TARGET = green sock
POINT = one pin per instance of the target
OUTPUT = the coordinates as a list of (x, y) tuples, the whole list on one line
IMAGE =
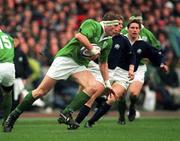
[(25, 104), (80, 99), (6, 106)]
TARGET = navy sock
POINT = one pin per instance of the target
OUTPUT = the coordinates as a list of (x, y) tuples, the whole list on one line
[(82, 114), (99, 113), (122, 107), (133, 100)]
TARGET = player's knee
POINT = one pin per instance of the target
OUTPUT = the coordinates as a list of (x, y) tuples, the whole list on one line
[(91, 88), (37, 93), (134, 93), (111, 100)]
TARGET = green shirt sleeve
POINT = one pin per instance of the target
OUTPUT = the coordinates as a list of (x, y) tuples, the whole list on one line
[(105, 53), (87, 28), (150, 38), (124, 31)]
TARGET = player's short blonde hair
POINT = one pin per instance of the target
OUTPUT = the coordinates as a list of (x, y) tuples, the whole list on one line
[(109, 16)]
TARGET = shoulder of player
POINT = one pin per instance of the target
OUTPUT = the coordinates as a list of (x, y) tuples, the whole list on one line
[(91, 21), (146, 31), (120, 38), (143, 43), (7, 34)]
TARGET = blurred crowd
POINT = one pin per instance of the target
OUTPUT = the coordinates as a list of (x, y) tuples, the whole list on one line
[(45, 26)]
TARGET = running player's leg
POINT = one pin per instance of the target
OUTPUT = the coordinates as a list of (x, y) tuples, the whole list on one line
[(134, 90), (88, 82), (6, 104), (86, 107), (27, 102), (122, 109), (119, 90)]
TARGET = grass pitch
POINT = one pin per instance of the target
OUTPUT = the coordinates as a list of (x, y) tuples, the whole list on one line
[(107, 129)]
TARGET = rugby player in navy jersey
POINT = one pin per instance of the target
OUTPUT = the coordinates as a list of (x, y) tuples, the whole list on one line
[(138, 81), (142, 49)]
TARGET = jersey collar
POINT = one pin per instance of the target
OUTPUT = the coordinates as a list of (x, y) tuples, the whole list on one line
[(103, 37), (132, 42)]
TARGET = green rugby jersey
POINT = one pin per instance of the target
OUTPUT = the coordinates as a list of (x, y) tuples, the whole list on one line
[(93, 30), (6, 48)]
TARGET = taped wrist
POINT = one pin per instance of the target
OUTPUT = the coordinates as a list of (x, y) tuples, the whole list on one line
[(94, 51), (107, 84)]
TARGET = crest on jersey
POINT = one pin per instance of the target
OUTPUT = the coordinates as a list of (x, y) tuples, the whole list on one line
[(117, 46), (139, 51), (160, 53)]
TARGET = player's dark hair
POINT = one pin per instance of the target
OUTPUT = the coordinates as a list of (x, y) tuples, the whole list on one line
[(134, 21)]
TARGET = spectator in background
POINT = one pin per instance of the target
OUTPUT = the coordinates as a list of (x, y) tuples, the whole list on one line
[(23, 71), (24, 74), (174, 35), (168, 85), (164, 83)]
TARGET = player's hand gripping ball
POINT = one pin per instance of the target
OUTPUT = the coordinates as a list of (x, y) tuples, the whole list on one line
[(91, 54)]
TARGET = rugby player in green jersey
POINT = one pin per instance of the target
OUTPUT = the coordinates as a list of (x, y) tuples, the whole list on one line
[(70, 61), (138, 81), (7, 73)]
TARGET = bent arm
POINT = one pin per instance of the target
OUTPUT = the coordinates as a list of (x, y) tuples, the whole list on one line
[(83, 40), (104, 71)]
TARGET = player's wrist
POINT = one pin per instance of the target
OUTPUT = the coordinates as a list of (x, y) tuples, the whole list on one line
[(107, 84), (131, 67)]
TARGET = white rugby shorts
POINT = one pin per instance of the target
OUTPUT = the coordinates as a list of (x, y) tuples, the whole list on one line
[(121, 77), (63, 68), (95, 70), (7, 74), (140, 74)]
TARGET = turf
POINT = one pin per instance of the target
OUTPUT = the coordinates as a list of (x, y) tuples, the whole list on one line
[(143, 129)]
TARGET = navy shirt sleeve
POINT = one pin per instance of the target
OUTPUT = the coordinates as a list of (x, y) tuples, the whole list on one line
[(154, 55)]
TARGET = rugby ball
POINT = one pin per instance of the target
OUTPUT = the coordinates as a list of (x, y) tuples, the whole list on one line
[(86, 53)]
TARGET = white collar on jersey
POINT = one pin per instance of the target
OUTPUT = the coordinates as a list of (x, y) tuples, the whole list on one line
[(103, 37), (132, 42)]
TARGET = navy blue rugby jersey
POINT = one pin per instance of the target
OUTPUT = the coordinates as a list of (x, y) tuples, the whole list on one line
[(121, 54), (143, 49)]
